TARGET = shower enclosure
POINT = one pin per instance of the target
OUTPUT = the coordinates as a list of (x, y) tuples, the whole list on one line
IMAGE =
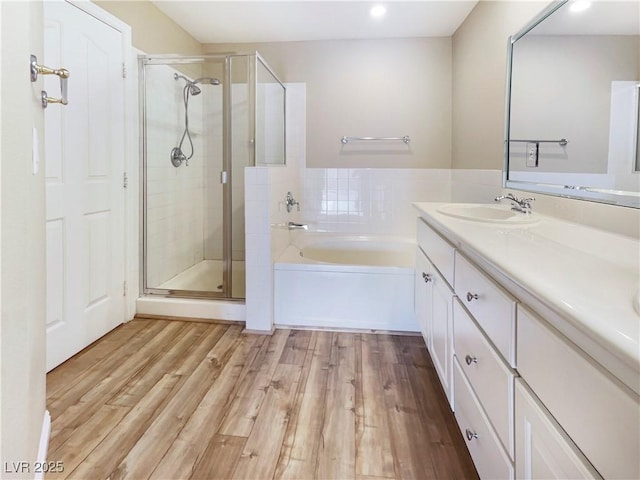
[(204, 119)]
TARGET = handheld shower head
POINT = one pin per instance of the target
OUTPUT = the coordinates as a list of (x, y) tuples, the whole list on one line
[(194, 89), (207, 81)]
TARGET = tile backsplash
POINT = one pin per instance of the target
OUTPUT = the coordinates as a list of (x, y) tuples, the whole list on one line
[(369, 200)]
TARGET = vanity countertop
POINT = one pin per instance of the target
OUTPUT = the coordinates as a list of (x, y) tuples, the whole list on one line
[(585, 279)]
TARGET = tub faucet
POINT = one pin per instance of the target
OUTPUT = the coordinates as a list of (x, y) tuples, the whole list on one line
[(297, 226), (522, 205), (290, 202)]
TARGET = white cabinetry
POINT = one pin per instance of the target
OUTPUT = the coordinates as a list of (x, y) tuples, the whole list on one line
[(422, 294), (484, 333), (434, 303), (529, 402), (543, 449), (487, 453), (599, 414)]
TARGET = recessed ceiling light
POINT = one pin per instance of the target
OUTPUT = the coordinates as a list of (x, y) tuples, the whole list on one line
[(579, 5), (378, 11)]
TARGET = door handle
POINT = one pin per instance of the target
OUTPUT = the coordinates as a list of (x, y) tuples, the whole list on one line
[(63, 73)]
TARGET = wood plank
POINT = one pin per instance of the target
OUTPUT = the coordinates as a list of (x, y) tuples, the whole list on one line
[(220, 458), (260, 454), (447, 450), (317, 404), (96, 387), (145, 455), (336, 455), (295, 350), (62, 399), (246, 404), (66, 374), (104, 459), (85, 438), (374, 454), (389, 351), (407, 432), (299, 454), (189, 447), (144, 379)]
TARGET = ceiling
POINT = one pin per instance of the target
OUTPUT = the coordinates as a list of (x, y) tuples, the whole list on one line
[(286, 21)]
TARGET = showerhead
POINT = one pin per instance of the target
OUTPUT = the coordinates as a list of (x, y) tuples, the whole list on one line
[(191, 85), (207, 81)]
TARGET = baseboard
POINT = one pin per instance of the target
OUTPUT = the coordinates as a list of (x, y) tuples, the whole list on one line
[(44, 445)]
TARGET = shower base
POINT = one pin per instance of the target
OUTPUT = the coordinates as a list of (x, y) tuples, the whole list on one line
[(206, 276)]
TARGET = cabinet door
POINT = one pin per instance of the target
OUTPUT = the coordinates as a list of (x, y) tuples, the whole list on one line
[(442, 332), (422, 296), (543, 450)]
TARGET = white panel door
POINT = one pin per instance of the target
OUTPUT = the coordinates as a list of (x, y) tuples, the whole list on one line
[(84, 157)]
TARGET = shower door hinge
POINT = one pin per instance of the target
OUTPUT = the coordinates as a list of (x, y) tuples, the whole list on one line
[(124, 289), (224, 177), (124, 71), (125, 180)]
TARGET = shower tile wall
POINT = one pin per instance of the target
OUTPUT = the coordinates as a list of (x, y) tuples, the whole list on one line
[(175, 199)]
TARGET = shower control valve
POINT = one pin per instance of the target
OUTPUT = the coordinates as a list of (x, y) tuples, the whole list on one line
[(290, 202)]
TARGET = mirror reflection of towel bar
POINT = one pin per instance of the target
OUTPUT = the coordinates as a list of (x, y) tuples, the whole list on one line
[(562, 142), (344, 140)]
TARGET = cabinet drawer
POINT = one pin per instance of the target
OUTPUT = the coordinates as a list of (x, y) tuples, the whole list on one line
[(491, 379), (492, 307), (543, 450), (601, 415), (439, 251), (490, 459)]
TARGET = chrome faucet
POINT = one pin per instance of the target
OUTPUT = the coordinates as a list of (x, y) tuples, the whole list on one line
[(522, 205), (297, 226), (290, 202)]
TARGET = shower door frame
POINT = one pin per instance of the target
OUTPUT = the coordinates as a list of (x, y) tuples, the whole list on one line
[(170, 59)]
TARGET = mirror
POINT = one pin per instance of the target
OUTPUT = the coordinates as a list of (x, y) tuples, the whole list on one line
[(573, 114)]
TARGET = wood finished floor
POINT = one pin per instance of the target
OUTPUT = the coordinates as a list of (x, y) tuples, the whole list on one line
[(177, 400)]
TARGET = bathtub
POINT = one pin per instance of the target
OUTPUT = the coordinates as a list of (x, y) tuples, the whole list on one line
[(346, 282)]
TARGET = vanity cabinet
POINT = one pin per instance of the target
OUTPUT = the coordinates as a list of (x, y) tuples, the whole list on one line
[(544, 450), (490, 305), (434, 304), (597, 412), (529, 402), (483, 444), (484, 344)]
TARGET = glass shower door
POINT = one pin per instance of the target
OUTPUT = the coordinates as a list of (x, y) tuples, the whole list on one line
[(182, 194)]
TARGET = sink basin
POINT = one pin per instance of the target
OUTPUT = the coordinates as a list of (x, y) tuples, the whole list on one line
[(487, 213)]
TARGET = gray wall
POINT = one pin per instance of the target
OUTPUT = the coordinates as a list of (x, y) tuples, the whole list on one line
[(479, 73), (22, 240), (372, 88)]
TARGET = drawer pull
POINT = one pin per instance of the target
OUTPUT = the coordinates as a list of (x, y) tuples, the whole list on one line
[(470, 435), (469, 359), (471, 296), (427, 277)]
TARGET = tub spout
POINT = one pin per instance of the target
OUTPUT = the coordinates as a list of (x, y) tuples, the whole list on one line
[(297, 226)]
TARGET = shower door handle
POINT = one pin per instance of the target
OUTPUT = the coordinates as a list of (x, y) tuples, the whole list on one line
[(224, 177)]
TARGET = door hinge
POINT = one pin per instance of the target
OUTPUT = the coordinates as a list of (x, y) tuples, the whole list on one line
[(124, 289), (124, 71), (125, 180), (224, 178)]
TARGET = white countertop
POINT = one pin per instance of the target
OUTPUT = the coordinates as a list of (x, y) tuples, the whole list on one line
[(588, 277)]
